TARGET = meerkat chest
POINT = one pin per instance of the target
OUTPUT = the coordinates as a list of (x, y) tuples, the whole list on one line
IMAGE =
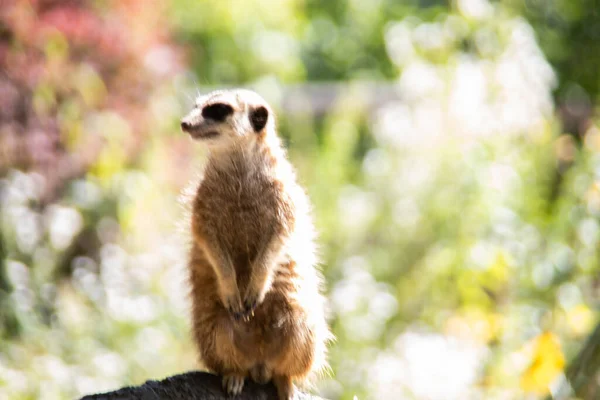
[(240, 206), (253, 205)]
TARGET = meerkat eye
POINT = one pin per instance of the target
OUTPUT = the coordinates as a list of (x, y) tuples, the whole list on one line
[(217, 112), (258, 118)]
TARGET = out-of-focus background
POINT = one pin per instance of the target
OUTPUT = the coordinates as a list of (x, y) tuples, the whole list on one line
[(451, 150)]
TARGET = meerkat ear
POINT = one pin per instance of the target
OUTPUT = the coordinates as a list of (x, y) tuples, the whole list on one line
[(258, 118)]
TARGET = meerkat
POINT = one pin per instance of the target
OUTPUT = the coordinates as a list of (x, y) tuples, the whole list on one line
[(257, 306)]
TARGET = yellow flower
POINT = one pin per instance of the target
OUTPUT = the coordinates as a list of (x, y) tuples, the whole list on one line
[(547, 363)]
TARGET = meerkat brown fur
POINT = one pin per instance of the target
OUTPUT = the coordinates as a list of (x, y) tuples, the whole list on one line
[(256, 304)]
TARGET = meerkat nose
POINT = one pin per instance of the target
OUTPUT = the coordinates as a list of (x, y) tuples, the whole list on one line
[(185, 126)]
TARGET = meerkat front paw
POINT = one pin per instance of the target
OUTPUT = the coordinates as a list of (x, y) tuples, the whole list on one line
[(254, 296), (233, 384), (232, 302)]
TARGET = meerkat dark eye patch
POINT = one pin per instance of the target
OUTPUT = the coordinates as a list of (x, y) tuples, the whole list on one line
[(217, 112), (258, 118)]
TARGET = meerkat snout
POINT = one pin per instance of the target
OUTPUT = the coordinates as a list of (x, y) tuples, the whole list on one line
[(204, 124), (190, 121), (185, 125)]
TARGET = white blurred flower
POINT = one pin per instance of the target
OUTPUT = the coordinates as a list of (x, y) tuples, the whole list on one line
[(63, 224), (141, 309), (501, 177), (420, 80), (56, 369), (393, 125), (475, 8), (509, 93), (398, 43), (482, 255), (112, 267), (13, 381), (86, 194), (468, 99), (18, 273), (275, 47), (588, 232), (358, 284), (569, 295), (27, 225), (415, 174), (377, 163), (150, 342), (406, 213), (86, 384), (428, 367), (543, 274), (25, 186), (383, 305), (429, 36), (365, 304), (110, 364), (357, 208)]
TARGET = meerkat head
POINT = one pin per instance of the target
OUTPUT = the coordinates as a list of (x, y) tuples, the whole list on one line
[(223, 118)]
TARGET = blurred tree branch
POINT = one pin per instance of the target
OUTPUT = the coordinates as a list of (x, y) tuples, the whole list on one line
[(193, 385), (10, 324), (583, 372)]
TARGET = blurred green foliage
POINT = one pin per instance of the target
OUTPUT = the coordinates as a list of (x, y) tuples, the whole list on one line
[(457, 202)]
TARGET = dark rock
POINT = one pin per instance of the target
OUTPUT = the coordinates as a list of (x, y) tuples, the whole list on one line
[(194, 385)]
